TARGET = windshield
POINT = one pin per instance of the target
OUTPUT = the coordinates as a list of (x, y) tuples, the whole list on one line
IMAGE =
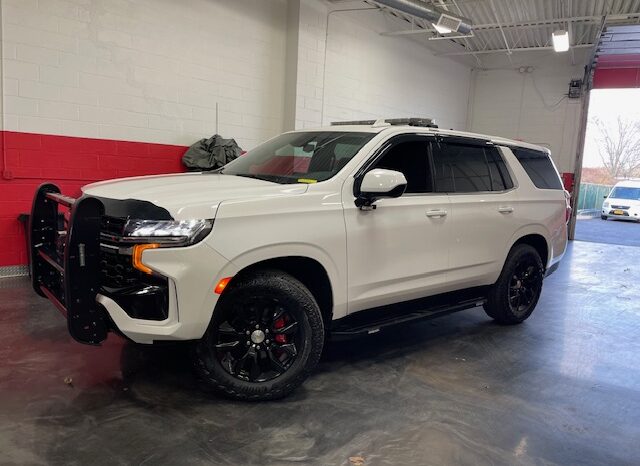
[(299, 157), (624, 192)]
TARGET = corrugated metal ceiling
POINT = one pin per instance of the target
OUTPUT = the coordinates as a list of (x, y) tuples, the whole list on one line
[(523, 25)]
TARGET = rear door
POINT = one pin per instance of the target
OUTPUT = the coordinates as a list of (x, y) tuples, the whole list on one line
[(483, 205)]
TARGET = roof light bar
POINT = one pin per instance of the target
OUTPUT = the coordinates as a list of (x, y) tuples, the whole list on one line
[(424, 122)]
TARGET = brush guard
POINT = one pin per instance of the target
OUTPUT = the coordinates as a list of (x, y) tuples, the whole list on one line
[(65, 264)]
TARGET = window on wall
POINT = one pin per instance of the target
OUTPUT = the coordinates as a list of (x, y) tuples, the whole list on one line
[(411, 157), (539, 167), (462, 168)]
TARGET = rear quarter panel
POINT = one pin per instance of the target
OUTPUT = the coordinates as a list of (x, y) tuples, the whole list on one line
[(539, 211)]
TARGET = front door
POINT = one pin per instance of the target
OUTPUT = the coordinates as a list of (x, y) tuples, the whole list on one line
[(400, 250)]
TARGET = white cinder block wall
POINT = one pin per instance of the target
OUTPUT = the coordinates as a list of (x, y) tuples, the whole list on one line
[(530, 106), (154, 70), (144, 70), (367, 75)]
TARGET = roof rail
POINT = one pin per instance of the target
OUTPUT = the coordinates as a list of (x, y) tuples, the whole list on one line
[(425, 122)]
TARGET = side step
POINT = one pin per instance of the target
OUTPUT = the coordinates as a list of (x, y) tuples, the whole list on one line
[(374, 320)]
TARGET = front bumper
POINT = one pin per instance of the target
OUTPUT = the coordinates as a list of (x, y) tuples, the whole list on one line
[(97, 292), (622, 214), (192, 273)]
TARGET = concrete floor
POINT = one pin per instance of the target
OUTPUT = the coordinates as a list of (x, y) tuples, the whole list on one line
[(624, 233), (563, 388)]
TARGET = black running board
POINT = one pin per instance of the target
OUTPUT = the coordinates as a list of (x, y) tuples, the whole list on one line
[(373, 320)]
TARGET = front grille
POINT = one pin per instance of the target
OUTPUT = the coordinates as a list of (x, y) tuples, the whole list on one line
[(117, 270), (142, 296), (625, 207)]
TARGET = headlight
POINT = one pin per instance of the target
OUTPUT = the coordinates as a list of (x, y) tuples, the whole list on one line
[(166, 232)]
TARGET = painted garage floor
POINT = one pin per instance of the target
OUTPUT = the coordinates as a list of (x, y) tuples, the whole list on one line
[(563, 388)]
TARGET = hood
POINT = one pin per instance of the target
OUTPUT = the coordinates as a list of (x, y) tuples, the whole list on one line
[(623, 202), (190, 195)]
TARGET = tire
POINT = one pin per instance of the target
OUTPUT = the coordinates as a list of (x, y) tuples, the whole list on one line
[(279, 331), (522, 276), (603, 217)]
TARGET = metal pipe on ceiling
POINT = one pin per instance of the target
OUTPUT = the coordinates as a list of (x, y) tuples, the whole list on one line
[(425, 11)]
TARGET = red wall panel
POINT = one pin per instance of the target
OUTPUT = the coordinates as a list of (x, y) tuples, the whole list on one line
[(29, 160)]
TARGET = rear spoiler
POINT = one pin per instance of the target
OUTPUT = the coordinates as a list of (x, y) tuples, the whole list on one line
[(65, 264)]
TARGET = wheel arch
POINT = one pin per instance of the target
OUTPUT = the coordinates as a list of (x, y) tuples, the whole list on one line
[(539, 243), (309, 271)]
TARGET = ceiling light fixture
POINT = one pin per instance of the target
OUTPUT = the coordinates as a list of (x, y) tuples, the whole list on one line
[(560, 40), (442, 29)]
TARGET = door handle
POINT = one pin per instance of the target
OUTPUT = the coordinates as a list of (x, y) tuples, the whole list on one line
[(437, 213), (505, 209)]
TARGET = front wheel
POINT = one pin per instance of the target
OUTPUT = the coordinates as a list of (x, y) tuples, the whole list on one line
[(514, 296), (264, 340), (603, 217)]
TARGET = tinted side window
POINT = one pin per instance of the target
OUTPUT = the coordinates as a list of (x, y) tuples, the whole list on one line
[(539, 168), (500, 178), (412, 159), (460, 168)]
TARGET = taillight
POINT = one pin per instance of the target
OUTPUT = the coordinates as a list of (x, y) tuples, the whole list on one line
[(568, 210)]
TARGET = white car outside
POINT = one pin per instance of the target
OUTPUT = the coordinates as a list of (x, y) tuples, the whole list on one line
[(623, 202), (340, 230)]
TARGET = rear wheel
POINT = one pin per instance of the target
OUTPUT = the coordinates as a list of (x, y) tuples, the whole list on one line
[(265, 338), (514, 296)]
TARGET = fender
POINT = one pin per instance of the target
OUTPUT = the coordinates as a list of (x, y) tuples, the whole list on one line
[(306, 250)]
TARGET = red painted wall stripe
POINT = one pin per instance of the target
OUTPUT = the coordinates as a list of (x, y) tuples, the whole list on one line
[(29, 160)]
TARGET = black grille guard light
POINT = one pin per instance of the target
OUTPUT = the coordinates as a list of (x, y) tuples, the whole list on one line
[(65, 265)]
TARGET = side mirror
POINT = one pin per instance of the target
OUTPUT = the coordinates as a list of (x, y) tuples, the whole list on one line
[(377, 184)]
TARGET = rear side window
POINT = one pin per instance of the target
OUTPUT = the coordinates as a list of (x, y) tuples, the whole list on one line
[(539, 167), (461, 168)]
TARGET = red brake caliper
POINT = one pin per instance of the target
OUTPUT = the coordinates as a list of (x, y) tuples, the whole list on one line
[(278, 324)]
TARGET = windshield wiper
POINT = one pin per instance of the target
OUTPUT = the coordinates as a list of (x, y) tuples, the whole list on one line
[(270, 178)]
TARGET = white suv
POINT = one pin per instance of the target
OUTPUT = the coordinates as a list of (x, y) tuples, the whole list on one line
[(342, 230)]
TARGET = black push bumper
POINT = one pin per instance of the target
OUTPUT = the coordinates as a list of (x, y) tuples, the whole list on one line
[(65, 263)]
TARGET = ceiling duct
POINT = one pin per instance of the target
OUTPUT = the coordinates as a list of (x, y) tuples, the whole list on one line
[(430, 13)]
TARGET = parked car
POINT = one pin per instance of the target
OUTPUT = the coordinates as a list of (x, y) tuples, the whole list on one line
[(623, 202), (337, 231)]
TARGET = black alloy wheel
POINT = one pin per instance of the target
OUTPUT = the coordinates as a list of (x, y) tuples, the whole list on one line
[(525, 285), (265, 337), (257, 341), (515, 294)]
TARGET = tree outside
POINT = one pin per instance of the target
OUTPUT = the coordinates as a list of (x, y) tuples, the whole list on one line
[(618, 144), (612, 150)]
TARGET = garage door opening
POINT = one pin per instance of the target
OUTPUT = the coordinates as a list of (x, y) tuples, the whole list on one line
[(611, 157)]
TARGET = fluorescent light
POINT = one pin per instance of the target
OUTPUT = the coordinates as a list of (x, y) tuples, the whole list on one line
[(442, 29), (560, 40)]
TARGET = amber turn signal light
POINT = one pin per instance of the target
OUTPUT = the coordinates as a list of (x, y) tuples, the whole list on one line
[(138, 249), (222, 284)]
